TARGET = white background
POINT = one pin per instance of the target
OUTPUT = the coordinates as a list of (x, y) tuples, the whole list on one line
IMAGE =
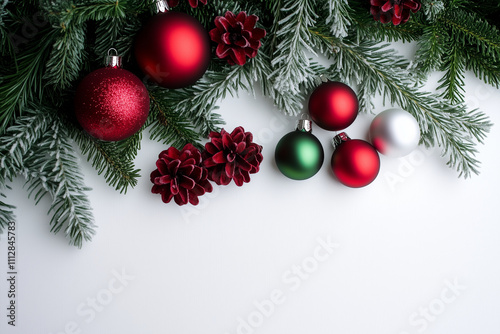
[(417, 251)]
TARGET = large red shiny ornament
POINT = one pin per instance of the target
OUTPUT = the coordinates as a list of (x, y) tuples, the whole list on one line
[(333, 106), (355, 162), (173, 49), (111, 104)]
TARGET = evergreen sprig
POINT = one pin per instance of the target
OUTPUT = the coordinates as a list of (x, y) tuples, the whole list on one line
[(23, 80), (339, 17), (290, 59), (52, 168), (458, 39), (167, 126), (108, 159), (37, 147)]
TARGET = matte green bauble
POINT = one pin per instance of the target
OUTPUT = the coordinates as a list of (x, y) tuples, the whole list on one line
[(299, 155)]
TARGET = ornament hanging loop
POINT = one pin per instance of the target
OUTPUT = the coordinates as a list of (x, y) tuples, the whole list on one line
[(162, 6), (113, 59)]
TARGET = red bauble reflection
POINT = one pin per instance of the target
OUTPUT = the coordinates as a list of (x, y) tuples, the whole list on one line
[(173, 49), (355, 162), (333, 106), (111, 104)]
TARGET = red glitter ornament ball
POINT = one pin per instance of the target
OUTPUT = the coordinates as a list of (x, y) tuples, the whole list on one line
[(355, 162), (111, 104), (333, 106), (173, 49)]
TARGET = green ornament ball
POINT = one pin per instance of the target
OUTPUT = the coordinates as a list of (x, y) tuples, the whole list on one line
[(299, 155)]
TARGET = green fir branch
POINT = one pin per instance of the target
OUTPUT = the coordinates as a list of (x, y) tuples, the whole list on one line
[(339, 17), (470, 30), (67, 57), (117, 34), (130, 146), (198, 101), (167, 126), (52, 168), (66, 13), (433, 9), (290, 59), (119, 171), (484, 69), (24, 83), (431, 48), (6, 47), (18, 141), (452, 83)]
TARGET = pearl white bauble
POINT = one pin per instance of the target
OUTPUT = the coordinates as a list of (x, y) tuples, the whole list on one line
[(394, 133)]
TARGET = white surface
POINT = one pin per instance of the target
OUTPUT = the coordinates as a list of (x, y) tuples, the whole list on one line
[(401, 243)]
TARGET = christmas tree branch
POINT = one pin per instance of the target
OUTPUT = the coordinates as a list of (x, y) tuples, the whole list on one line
[(53, 169), (66, 13), (67, 57), (105, 157), (118, 34), (198, 101), (452, 83), (18, 141), (469, 28), (167, 126), (24, 82), (290, 61), (338, 17), (431, 48)]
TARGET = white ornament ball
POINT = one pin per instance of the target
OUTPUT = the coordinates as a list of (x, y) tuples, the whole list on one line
[(394, 133)]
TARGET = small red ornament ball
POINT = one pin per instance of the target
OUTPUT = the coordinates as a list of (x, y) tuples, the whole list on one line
[(333, 106), (173, 49), (111, 104), (355, 162)]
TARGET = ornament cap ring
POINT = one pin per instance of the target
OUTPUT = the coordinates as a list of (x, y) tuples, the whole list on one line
[(162, 6), (305, 123), (113, 60), (339, 139)]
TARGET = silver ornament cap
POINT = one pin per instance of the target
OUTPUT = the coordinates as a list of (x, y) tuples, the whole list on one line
[(304, 124), (113, 59), (394, 132)]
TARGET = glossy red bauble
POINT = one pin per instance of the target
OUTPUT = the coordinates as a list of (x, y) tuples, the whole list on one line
[(111, 104), (355, 162), (333, 106), (173, 49)]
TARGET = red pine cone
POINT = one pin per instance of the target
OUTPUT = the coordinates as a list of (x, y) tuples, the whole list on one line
[(237, 37), (179, 175), (231, 157), (192, 3), (397, 11)]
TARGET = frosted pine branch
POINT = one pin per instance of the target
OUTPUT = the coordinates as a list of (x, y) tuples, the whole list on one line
[(291, 61), (338, 19)]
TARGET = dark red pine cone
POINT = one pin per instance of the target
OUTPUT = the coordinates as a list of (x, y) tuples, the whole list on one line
[(179, 175), (231, 156), (397, 11), (192, 3), (237, 37)]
